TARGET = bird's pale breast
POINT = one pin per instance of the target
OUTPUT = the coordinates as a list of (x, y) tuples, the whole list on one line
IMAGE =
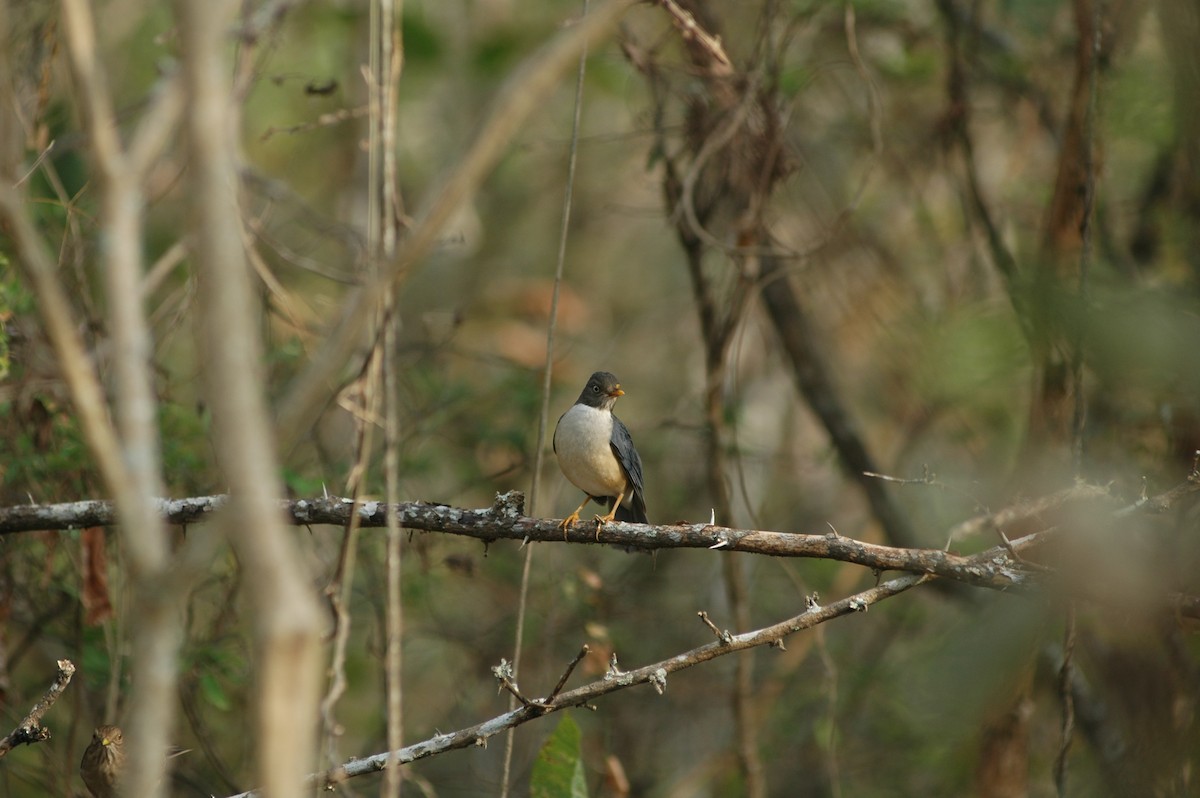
[(582, 442)]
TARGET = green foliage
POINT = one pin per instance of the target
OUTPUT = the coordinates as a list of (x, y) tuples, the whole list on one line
[(184, 435), (213, 692), (423, 43), (558, 771), (47, 458)]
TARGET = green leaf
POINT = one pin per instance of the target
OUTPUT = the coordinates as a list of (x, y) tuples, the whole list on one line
[(558, 772), (214, 693)]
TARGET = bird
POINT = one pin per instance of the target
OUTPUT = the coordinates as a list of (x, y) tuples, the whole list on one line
[(597, 455), (102, 762)]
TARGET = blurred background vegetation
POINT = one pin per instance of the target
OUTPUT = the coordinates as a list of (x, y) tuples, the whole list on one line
[(908, 128)]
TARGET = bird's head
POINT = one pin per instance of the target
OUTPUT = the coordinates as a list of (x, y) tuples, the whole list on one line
[(601, 391), (107, 735)]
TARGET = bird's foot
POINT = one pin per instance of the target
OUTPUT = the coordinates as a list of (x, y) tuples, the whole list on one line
[(566, 523)]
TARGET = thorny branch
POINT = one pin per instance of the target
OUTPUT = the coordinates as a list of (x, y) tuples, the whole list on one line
[(1000, 567), (654, 674)]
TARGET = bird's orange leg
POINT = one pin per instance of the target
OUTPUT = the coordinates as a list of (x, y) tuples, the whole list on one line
[(601, 520), (573, 517)]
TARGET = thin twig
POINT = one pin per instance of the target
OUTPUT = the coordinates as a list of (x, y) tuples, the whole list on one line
[(340, 589), (505, 675), (694, 34), (722, 635), (562, 680), (1065, 679), (547, 373), (655, 673), (390, 44)]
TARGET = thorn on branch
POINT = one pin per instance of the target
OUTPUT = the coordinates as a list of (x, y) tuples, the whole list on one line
[(1004, 541), (659, 680), (723, 636), (778, 644), (613, 669), (813, 603), (833, 533)]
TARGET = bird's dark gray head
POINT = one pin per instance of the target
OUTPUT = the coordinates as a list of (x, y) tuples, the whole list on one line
[(601, 391)]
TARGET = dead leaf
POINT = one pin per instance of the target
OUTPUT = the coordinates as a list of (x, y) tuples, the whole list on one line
[(97, 607)]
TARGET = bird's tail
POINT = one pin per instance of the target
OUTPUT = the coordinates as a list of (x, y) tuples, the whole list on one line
[(635, 513)]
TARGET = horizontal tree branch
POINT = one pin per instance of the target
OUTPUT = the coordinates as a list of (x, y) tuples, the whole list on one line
[(654, 674), (505, 520), (997, 568)]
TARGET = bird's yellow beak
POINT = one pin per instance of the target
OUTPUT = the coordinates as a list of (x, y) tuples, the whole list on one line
[(105, 741), (617, 391)]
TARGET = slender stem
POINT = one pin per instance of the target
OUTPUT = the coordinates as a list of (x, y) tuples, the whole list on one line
[(547, 373)]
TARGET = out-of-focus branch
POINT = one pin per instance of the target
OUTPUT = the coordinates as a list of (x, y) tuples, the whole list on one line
[(654, 674), (286, 617), (30, 729), (957, 123), (1009, 517), (157, 635), (340, 589), (521, 95), (390, 45), (816, 385), (715, 170)]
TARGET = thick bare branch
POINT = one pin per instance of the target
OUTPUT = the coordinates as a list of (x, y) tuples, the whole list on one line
[(995, 568)]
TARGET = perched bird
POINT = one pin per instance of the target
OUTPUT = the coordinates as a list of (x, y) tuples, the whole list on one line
[(597, 455), (102, 762)]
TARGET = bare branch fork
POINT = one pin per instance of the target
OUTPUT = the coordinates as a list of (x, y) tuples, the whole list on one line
[(654, 674)]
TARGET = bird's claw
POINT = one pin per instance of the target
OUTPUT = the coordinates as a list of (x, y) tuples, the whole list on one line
[(566, 523), (601, 520)]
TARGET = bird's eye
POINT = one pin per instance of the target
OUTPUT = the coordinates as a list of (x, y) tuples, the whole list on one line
[(595, 389)]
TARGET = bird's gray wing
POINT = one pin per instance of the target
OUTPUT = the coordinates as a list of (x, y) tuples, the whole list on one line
[(631, 463)]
